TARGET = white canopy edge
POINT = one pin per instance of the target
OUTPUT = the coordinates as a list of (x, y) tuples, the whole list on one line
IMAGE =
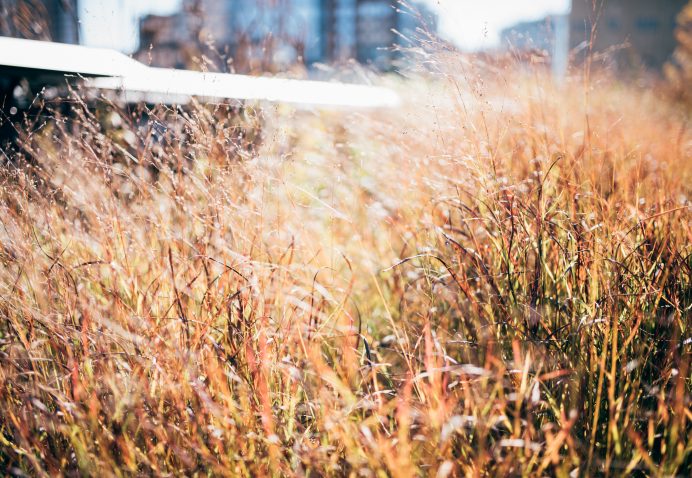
[(61, 57), (110, 70), (178, 84)]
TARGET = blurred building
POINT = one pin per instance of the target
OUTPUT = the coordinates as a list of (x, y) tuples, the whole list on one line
[(547, 38), (629, 33), (536, 35), (172, 36), (635, 32), (52, 20), (272, 34)]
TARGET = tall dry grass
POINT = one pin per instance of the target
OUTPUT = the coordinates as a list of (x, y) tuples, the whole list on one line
[(495, 279)]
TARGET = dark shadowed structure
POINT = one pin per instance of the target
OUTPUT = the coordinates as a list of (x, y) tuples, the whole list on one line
[(54, 20), (638, 33)]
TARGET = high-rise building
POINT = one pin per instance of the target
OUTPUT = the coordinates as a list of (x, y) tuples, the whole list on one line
[(52, 20)]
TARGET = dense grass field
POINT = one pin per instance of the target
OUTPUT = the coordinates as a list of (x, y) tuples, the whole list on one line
[(493, 280)]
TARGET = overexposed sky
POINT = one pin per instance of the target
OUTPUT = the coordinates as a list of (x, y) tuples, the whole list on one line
[(476, 24), (114, 23), (471, 24)]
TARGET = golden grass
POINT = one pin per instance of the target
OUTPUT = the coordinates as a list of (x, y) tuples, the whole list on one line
[(494, 280)]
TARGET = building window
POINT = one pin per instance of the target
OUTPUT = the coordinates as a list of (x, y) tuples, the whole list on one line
[(647, 24)]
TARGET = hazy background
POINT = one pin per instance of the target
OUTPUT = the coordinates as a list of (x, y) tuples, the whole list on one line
[(470, 24)]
